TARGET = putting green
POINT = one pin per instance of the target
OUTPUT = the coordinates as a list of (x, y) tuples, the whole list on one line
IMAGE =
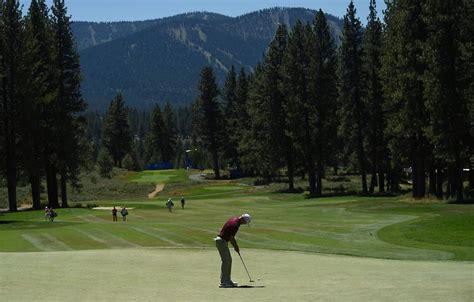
[(160, 274)]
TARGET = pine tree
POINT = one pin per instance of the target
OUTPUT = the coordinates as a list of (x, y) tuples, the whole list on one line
[(39, 95), (12, 38), (300, 110), (230, 145), (353, 111), (155, 138), (402, 70), (323, 88), (68, 98), (209, 117), (444, 86), (116, 131), (373, 97), (168, 153)]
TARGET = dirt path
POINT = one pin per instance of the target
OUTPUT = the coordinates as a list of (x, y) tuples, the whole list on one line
[(152, 274), (158, 189)]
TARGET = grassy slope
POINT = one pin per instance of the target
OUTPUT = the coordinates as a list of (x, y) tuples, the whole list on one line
[(373, 227)]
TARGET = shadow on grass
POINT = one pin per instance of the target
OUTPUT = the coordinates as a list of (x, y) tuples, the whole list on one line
[(33, 225)]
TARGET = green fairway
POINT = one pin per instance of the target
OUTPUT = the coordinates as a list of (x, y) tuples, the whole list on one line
[(160, 176), (161, 256), (358, 226)]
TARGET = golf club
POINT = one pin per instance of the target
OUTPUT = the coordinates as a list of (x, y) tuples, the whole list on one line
[(250, 279)]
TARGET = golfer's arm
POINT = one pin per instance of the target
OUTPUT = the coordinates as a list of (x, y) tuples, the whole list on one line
[(234, 243)]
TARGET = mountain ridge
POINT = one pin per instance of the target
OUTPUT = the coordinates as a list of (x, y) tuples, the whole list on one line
[(159, 60)]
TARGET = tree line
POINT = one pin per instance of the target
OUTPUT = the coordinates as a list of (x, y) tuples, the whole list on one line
[(40, 101), (395, 97)]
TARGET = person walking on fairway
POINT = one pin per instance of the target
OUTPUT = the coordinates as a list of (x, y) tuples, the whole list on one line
[(169, 204), (182, 202), (124, 213), (230, 228), (114, 214)]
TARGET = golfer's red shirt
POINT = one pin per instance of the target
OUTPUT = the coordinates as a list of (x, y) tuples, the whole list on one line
[(230, 228)]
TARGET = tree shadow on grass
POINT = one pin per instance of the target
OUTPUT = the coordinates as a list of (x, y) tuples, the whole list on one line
[(33, 225)]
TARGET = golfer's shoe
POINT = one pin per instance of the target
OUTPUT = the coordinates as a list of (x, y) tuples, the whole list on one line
[(228, 285)]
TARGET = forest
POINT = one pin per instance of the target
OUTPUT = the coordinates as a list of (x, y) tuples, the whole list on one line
[(392, 103)]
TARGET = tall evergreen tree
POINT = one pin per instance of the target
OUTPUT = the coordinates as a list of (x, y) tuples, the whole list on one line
[(155, 139), (168, 152), (266, 145), (36, 127), (230, 145), (12, 38), (373, 97), (445, 86), (68, 98), (353, 111), (209, 117), (300, 110), (402, 70), (323, 87), (116, 130)]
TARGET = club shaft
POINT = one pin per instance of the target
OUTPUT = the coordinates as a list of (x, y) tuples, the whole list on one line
[(250, 278)]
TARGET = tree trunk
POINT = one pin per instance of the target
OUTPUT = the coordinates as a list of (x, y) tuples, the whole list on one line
[(291, 169), (51, 183), (421, 177), (319, 177), (458, 177), (439, 183), (64, 190), (215, 163), (11, 177), (373, 181), (381, 180), (432, 181), (361, 155), (35, 180)]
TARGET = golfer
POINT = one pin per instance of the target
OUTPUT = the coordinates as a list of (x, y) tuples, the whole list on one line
[(227, 234)]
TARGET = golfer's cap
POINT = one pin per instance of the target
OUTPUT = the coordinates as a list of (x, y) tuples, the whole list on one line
[(246, 217)]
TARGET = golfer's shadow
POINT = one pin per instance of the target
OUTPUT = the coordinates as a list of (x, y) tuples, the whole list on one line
[(250, 286)]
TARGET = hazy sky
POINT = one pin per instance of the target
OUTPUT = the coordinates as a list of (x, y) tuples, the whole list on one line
[(131, 10)]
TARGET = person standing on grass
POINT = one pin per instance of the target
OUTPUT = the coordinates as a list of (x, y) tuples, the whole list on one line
[(114, 214), (230, 228), (46, 213), (182, 202), (169, 204), (124, 213)]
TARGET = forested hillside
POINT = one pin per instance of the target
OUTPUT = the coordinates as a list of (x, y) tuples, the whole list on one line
[(158, 61)]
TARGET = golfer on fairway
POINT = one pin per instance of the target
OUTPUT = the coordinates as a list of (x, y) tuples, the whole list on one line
[(227, 234)]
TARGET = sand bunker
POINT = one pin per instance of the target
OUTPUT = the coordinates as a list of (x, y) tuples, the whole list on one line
[(158, 189)]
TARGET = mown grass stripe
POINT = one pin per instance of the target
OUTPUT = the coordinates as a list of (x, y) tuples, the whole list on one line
[(94, 238), (46, 242), (90, 218), (58, 243), (156, 235), (113, 240), (37, 242)]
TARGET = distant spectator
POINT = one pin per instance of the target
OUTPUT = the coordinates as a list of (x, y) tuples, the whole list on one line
[(169, 204), (124, 213), (183, 201), (52, 214), (46, 213), (114, 214)]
